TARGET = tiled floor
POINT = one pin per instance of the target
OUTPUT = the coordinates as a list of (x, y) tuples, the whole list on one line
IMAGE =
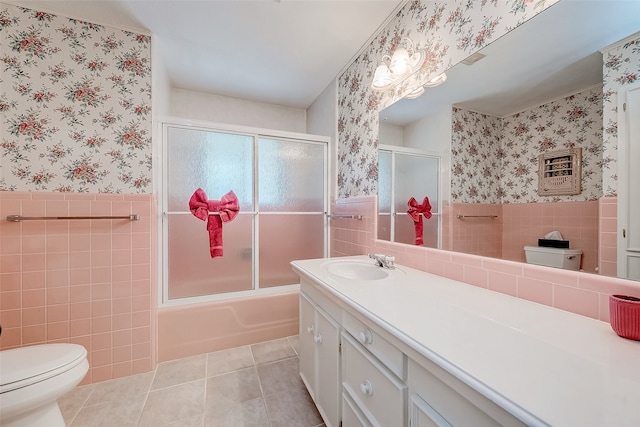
[(256, 385)]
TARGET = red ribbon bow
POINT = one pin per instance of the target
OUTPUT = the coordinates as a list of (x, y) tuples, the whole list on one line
[(227, 208), (415, 211)]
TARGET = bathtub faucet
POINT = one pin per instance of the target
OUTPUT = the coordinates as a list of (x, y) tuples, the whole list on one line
[(383, 261)]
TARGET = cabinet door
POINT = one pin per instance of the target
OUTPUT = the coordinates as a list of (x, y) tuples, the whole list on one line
[(421, 414), (307, 346), (328, 356)]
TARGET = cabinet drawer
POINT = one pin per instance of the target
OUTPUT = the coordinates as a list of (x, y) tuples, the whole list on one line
[(392, 358), (351, 416), (374, 389)]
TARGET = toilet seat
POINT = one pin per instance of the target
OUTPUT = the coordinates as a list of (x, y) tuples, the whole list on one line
[(25, 366)]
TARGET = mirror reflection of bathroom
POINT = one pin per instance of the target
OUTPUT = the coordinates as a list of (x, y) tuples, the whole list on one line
[(404, 174)]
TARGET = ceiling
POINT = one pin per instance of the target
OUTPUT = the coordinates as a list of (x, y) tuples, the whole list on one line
[(283, 52), (553, 55)]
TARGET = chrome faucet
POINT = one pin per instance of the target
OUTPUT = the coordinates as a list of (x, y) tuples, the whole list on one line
[(383, 261)]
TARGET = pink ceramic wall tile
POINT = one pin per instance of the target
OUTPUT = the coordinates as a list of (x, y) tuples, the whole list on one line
[(475, 276), (576, 300), (502, 282), (57, 313), (79, 310), (101, 358), (13, 282), (31, 280), (80, 260), (57, 295), (122, 354), (30, 262), (79, 327), (10, 263), (10, 300), (11, 318), (57, 330), (141, 351), (101, 324), (141, 365), (33, 316), (100, 308), (35, 334), (535, 290), (121, 338), (101, 341), (122, 369), (122, 321), (10, 245), (101, 373), (33, 298), (101, 274)]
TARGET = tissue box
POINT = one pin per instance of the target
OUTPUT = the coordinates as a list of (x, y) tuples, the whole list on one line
[(551, 243), (624, 316)]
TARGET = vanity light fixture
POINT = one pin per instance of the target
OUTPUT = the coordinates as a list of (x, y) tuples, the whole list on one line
[(394, 69), (415, 93), (437, 80)]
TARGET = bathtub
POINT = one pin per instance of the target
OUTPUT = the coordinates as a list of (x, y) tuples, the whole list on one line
[(194, 329)]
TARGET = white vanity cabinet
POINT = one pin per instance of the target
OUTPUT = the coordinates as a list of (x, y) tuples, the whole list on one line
[(320, 355), (421, 350)]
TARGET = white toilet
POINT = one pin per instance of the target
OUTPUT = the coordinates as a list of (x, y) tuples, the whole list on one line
[(33, 378), (569, 259)]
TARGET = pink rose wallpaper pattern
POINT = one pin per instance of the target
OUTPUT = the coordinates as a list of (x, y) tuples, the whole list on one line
[(449, 31), (495, 160), (75, 105)]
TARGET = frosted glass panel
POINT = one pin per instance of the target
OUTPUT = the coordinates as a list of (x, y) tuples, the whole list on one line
[(416, 176), (284, 238), (216, 162), (291, 176), (384, 182), (193, 272), (405, 231), (384, 227)]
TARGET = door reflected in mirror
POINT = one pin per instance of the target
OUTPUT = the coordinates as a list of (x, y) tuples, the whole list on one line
[(490, 122)]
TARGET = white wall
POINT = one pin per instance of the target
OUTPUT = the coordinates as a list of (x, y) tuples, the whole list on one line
[(222, 109), (322, 119), (389, 134)]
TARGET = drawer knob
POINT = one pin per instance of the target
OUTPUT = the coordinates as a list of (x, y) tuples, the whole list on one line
[(366, 337), (310, 329), (366, 388), (318, 339)]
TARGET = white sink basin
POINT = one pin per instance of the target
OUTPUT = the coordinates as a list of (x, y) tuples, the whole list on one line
[(357, 270)]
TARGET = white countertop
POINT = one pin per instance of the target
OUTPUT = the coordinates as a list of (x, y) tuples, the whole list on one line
[(545, 366)]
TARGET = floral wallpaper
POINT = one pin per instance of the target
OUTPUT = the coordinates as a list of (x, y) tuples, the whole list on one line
[(475, 157), (571, 122), (621, 69), (449, 31), (75, 105), (495, 160)]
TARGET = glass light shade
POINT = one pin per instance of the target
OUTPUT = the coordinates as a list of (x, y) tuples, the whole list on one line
[(415, 93), (382, 77), (437, 80), (400, 64)]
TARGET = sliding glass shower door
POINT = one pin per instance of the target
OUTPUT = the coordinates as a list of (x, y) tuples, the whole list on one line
[(401, 176), (281, 187)]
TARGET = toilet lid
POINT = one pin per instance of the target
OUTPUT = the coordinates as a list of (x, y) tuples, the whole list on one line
[(23, 366)]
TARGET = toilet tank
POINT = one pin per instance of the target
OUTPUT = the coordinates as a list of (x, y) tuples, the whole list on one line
[(569, 259)]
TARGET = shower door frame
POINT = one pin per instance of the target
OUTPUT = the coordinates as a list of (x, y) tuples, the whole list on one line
[(163, 212)]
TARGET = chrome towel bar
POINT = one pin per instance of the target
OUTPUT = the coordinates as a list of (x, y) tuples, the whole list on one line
[(459, 216), (336, 216), (18, 218)]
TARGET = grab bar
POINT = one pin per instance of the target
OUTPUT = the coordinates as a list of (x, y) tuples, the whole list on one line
[(336, 216), (18, 218), (459, 216)]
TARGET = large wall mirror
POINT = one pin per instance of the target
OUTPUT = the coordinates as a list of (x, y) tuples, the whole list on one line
[(537, 90)]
